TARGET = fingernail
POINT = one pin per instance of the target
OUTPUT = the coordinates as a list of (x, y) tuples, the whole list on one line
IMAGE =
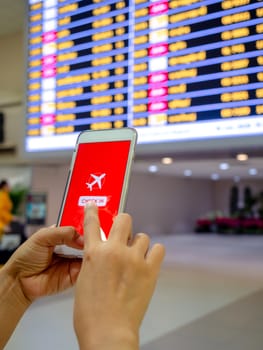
[(90, 204)]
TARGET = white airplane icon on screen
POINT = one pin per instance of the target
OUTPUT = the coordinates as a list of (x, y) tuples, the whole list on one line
[(97, 180)]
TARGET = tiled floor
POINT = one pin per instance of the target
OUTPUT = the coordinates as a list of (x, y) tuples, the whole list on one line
[(209, 297), (237, 326)]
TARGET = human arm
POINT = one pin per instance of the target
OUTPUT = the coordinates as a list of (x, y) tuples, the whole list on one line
[(115, 285), (34, 271)]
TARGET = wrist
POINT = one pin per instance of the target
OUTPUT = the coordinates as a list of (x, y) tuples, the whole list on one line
[(11, 289), (13, 304), (109, 340)]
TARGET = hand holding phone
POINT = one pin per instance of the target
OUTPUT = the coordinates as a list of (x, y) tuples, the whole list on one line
[(99, 172)]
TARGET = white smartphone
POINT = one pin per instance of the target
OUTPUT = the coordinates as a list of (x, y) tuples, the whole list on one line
[(100, 171)]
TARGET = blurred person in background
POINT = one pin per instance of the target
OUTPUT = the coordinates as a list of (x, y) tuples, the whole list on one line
[(6, 207)]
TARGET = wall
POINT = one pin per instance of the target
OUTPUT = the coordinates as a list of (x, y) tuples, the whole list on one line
[(165, 204), (159, 204), (222, 191), (12, 64), (50, 180), (16, 175)]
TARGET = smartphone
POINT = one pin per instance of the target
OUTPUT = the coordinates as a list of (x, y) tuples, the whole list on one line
[(99, 171)]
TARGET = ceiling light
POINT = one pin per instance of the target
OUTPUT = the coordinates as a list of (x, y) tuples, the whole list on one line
[(214, 177), (167, 160), (252, 171), (153, 168), (242, 157), (188, 172), (223, 166)]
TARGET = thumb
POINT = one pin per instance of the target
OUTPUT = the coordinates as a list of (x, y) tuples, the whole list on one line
[(52, 236)]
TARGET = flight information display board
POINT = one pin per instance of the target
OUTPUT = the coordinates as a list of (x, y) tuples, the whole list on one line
[(174, 70)]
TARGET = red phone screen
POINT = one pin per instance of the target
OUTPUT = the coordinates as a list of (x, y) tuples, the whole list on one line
[(98, 176)]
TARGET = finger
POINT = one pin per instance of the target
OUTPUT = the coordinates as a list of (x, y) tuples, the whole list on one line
[(91, 225), (52, 236), (141, 243), (63, 274), (122, 228), (156, 255)]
